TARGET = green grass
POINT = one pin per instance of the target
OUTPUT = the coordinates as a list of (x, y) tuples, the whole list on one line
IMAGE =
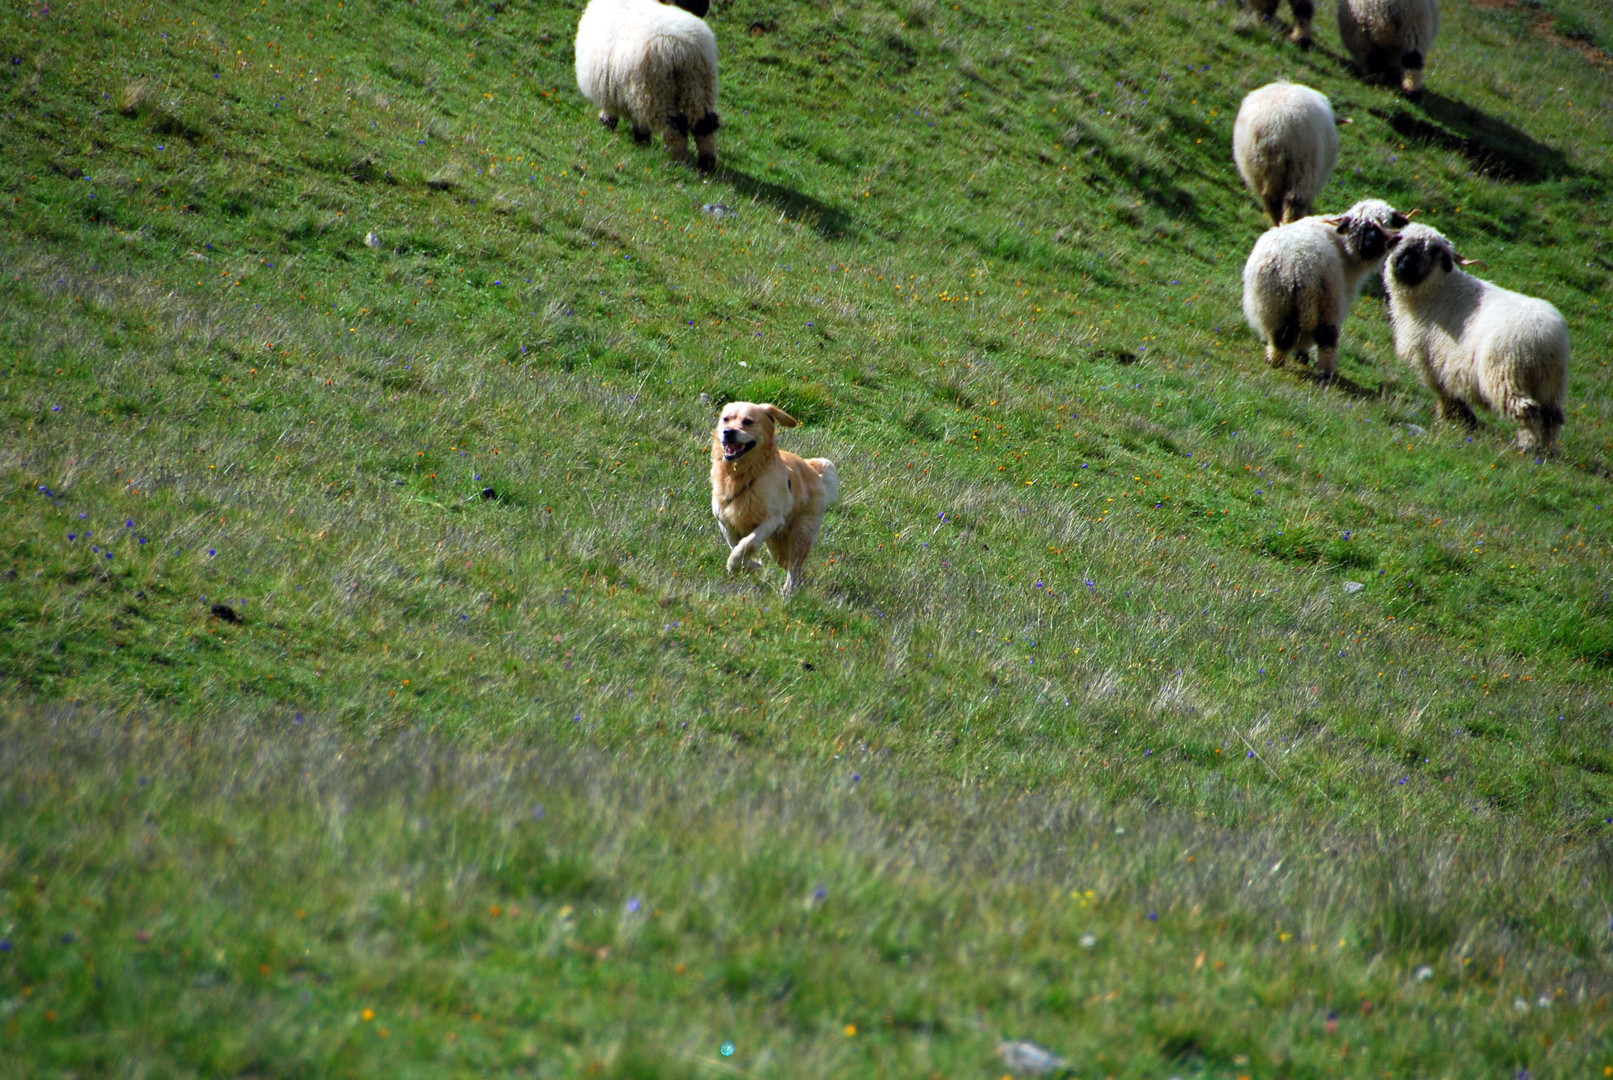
[(1075, 656)]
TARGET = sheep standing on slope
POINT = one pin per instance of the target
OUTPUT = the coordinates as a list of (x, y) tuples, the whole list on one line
[(1391, 38), (1470, 340), (1302, 278), (1304, 11), (657, 65), (1286, 143)]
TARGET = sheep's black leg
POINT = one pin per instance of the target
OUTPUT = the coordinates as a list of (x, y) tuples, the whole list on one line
[(1304, 12), (676, 135), (704, 131), (641, 135), (1412, 81), (1456, 409), (1274, 208), (1551, 418), (1286, 334), (1327, 351)]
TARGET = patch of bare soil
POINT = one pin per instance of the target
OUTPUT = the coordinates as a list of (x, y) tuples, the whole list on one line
[(1545, 28)]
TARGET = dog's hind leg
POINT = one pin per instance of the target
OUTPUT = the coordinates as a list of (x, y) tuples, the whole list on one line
[(792, 548)]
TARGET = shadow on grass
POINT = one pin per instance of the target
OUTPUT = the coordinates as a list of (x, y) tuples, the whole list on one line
[(1347, 386), (1493, 147), (827, 221), (1599, 469)]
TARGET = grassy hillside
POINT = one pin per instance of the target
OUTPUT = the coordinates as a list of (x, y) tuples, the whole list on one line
[(373, 699)]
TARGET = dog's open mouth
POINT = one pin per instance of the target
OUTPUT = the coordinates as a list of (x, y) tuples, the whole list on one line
[(735, 451)]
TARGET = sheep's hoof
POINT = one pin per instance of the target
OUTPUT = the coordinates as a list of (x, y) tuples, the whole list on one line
[(706, 163), (607, 121), (641, 136)]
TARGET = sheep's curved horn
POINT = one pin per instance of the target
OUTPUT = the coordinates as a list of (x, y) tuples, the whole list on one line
[(1333, 220), (1409, 214), (1340, 121), (1465, 261)]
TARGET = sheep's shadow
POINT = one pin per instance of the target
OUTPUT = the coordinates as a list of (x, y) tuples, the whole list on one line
[(1599, 469), (827, 221), (1345, 385), (1493, 147)]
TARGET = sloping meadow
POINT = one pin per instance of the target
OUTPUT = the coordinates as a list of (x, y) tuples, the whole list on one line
[(356, 398)]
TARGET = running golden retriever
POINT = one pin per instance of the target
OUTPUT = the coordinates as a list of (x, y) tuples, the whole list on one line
[(761, 494)]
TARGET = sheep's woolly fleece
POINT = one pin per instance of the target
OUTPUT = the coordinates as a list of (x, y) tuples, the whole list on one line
[(1286, 144), (656, 64)]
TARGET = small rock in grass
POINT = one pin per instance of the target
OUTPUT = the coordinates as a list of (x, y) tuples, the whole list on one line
[(1416, 429), (372, 239), (1025, 1058), (226, 613), (1353, 587), (719, 210), (489, 493)]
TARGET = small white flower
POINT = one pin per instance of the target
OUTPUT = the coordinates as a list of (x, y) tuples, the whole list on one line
[(1425, 973), (1520, 1005), (1088, 940)]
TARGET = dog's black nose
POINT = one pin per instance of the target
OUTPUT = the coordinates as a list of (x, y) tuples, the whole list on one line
[(729, 435)]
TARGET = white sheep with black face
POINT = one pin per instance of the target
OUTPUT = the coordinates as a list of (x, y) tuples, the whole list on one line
[(656, 64), (1302, 278), (1390, 39), (1472, 341), (1285, 143)]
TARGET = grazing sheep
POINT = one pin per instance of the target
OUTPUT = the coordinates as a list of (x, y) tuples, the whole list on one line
[(1304, 11), (1390, 39), (1472, 341), (1302, 278), (656, 64), (1286, 143)]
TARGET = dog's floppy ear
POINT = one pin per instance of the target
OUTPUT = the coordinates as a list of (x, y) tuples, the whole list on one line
[(781, 418)]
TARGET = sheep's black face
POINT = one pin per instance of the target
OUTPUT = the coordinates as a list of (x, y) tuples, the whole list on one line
[(1415, 260), (1365, 239), (1371, 242), (694, 7)]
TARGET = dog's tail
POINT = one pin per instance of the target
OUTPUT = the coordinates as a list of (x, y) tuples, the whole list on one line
[(831, 479)]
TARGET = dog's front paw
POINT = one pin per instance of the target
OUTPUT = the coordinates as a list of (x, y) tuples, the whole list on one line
[(737, 560)]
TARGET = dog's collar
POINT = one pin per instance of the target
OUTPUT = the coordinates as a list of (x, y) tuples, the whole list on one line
[(729, 501)]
